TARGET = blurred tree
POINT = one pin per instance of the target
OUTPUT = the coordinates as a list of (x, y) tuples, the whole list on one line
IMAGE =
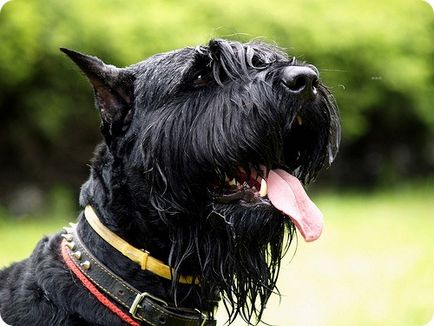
[(377, 57)]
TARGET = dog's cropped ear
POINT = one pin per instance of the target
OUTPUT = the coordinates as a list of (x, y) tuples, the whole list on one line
[(113, 92)]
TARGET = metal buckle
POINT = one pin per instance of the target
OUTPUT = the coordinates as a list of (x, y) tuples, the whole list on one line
[(139, 299), (202, 316)]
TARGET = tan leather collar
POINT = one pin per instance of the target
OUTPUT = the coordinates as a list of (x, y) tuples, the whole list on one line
[(138, 256)]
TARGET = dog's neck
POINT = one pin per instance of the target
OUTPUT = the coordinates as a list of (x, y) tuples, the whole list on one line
[(127, 210), (143, 230), (140, 256), (187, 295), (124, 212)]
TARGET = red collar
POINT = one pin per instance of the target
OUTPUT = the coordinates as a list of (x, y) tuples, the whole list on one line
[(92, 289)]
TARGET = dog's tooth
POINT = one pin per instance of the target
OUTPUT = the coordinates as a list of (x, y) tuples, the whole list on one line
[(264, 188), (299, 120), (233, 182)]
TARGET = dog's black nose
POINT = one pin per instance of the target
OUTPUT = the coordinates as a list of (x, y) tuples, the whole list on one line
[(301, 80)]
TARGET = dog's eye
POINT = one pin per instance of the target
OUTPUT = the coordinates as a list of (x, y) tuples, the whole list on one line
[(201, 79)]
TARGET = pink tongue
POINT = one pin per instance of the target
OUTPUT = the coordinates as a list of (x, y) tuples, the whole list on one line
[(286, 193)]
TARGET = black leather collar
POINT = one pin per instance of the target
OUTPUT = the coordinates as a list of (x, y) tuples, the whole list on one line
[(142, 306)]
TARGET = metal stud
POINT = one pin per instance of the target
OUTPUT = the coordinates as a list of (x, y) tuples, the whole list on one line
[(68, 237), (85, 264), (77, 254), (67, 230), (71, 245)]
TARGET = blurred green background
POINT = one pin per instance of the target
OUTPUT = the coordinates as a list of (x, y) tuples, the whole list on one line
[(374, 264)]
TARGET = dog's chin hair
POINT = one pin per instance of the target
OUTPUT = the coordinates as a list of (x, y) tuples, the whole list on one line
[(239, 249)]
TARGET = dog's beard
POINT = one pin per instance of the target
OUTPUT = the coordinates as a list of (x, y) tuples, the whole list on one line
[(239, 248), (235, 248)]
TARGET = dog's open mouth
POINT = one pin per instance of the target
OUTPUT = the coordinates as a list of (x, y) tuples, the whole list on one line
[(280, 189), (243, 186)]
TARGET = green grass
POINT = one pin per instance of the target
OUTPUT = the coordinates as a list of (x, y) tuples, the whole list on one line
[(373, 265), (19, 237)]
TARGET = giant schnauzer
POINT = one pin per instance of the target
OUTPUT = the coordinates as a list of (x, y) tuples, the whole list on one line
[(194, 195)]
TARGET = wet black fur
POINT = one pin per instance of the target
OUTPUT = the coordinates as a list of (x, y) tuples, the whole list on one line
[(174, 125)]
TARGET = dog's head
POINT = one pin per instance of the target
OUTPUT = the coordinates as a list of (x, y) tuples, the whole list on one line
[(205, 149)]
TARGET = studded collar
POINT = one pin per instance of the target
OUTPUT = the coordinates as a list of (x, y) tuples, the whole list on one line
[(142, 306)]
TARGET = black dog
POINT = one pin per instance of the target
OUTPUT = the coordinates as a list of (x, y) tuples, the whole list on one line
[(200, 165)]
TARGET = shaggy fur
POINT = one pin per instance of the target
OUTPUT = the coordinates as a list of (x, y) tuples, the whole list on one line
[(175, 126)]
